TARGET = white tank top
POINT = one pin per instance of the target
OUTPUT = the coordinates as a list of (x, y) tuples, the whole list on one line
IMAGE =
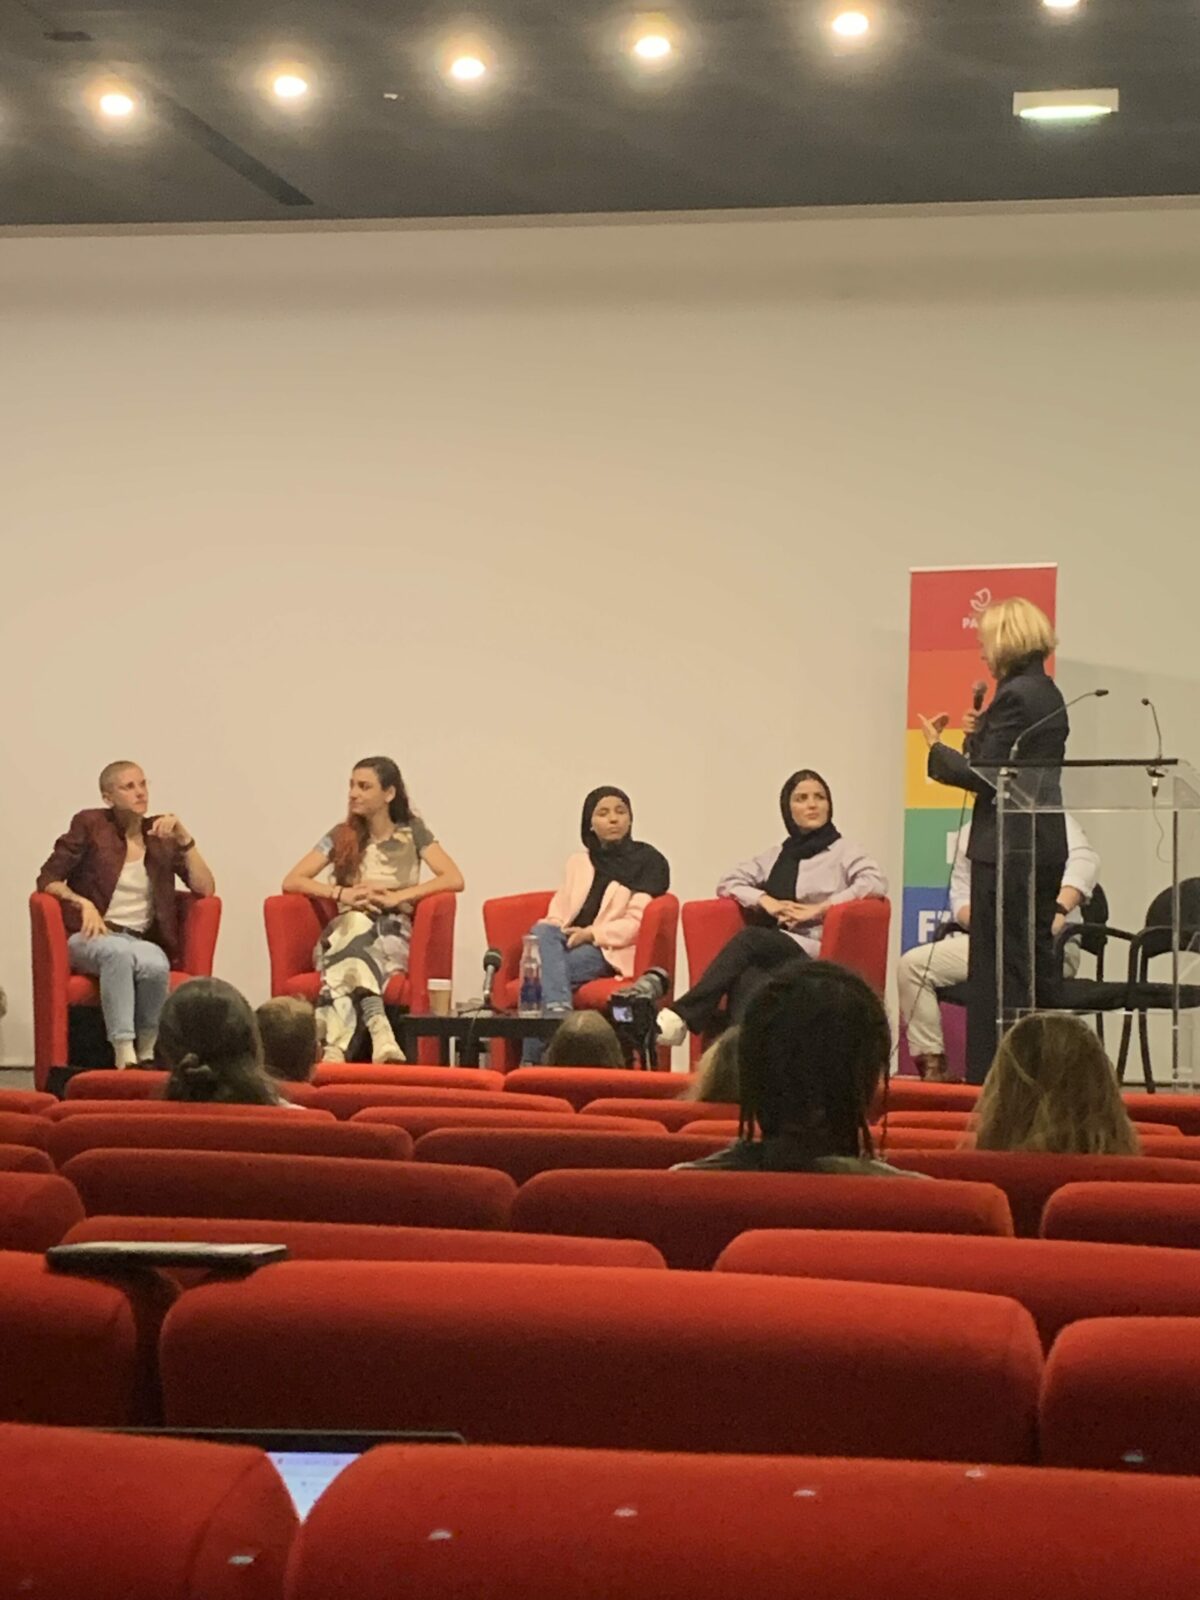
[(130, 905)]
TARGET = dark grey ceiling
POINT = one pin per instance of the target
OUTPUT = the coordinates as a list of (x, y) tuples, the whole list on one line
[(758, 110)]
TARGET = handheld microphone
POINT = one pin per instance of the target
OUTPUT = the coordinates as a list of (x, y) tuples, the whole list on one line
[(978, 695), (1156, 769), (492, 960), (1059, 711)]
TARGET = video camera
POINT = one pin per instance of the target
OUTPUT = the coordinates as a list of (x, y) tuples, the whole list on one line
[(633, 1012)]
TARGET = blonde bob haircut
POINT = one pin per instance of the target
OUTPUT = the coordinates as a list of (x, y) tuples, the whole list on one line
[(1012, 630)]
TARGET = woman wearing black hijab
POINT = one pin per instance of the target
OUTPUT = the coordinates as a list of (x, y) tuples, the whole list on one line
[(591, 929), (785, 893)]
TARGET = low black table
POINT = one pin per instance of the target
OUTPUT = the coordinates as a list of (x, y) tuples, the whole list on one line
[(469, 1033)]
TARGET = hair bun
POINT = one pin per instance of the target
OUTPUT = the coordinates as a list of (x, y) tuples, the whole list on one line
[(196, 1071)]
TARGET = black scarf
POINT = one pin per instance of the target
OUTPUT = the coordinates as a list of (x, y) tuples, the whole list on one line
[(799, 845), (640, 868)]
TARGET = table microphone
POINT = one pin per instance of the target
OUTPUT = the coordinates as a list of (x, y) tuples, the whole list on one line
[(1156, 774), (1059, 711), (492, 960)]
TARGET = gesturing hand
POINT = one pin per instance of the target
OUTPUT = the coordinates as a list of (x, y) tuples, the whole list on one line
[(933, 727), (168, 826)]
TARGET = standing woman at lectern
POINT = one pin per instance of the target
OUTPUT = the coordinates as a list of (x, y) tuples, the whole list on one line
[(1015, 638)]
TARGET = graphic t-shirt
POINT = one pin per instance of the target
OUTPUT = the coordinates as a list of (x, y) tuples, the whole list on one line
[(395, 861)]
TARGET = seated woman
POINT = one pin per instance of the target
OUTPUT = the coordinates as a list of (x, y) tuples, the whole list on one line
[(814, 1045), (785, 893), (591, 928), (1052, 1088), (375, 857), (717, 1072), (209, 1040), (584, 1039)]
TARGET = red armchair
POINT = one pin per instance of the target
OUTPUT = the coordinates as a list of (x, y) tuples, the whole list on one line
[(508, 920), (854, 934), (56, 988), (294, 923)]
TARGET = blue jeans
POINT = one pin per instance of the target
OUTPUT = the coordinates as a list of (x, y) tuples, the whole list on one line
[(134, 977), (563, 971)]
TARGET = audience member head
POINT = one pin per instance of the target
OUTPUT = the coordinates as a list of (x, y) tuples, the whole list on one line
[(123, 787), (584, 1039), (1014, 631), (1052, 1087), (814, 1043), (287, 1027), (208, 1038), (376, 788), (805, 803), (717, 1071)]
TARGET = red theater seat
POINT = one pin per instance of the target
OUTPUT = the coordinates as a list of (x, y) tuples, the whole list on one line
[(692, 1216), (24, 1158), (1058, 1282), (35, 1211), (294, 923), (346, 1100), (1183, 1110), (277, 1131), (74, 1351), (140, 1084), (17, 1127), (609, 1358), (420, 1120), (98, 1516), (920, 1139), (217, 1183), (580, 1085), (170, 1108), (671, 1114), (910, 1094), (26, 1102), (1173, 1146), (523, 1152), (1125, 1213), (1124, 1394), (1029, 1179), (344, 1241), (405, 1077)]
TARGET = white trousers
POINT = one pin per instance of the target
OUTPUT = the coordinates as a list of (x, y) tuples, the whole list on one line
[(928, 967)]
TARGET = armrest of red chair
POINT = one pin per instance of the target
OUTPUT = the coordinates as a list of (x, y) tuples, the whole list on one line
[(293, 927), (432, 952), (708, 926), (657, 938), (48, 939), (199, 924), (506, 921), (855, 935)]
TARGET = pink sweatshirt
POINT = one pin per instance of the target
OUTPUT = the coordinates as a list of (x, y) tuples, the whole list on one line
[(618, 921)]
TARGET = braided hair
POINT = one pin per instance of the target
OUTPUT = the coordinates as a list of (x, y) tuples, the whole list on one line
[(814, 1043)]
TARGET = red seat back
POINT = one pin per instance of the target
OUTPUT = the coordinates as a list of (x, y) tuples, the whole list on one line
[(28, 1102), (523, 1152), (277, 1131), (1173, 1146), (1181, 1109), (692, 1216), (697, 1527), (144, 1084), (406, 1077), (568, 1355), (345, 1100), (580, 1085), (420, 1120), (1058, 1282), (1124, 1395), (171, 1108), (36, 1209), (1125, 1213), (911, 1094), (24, 1158), (212, 1183), (1030, 1179), (671, 1114), (346, 1241), (99, 1515), (17, 1127)]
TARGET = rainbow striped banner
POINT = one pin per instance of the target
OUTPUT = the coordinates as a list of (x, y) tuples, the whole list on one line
[(943, 662)]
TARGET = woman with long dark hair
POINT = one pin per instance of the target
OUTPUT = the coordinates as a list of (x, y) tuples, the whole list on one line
[(375, 859), (785, 894), (813, 1047), (209, 1040)]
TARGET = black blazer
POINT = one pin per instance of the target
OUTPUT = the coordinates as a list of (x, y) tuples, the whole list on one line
[(1022, 699)]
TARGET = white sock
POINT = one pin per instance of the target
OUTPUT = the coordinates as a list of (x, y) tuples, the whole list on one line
[(147, 1043), (672, 1029), (124, 1054), (383, 1041)]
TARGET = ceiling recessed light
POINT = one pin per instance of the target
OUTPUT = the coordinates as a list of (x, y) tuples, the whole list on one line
[(1061, 5), (652, 47), (1066, 105), (467, 69), (289, 86), (116, 103), (851, 24)]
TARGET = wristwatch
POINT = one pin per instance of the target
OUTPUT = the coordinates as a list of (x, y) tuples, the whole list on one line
[(1061, 909)]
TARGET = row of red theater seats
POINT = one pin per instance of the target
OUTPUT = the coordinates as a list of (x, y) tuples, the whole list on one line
[(164, 1519), (605, 1185), (607, 1358)]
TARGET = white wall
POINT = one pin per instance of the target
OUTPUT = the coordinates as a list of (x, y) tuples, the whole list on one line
[(534, 508)]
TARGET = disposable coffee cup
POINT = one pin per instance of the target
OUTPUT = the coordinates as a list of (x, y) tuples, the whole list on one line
[(439, 996)]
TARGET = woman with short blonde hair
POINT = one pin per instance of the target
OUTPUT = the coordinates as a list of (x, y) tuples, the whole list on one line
[(1053, 1088), (1014, 630)]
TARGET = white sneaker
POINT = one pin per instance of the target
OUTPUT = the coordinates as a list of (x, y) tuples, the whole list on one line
[(672, 1029), (147, 1044), (384, 1049), (124, 1054)]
